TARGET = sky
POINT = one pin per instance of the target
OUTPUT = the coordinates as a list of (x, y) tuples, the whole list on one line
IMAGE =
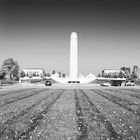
[(36, 33)]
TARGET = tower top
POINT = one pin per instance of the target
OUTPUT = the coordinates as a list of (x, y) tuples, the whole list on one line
[(73, 34)]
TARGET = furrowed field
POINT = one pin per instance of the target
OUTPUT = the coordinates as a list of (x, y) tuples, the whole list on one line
[(70, 114)]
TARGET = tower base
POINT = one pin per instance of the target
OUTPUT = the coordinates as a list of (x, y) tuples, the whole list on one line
[(73, 80)]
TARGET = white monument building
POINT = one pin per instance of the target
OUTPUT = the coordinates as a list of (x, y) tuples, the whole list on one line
[(73, 55), (36, 72), (73, 75)]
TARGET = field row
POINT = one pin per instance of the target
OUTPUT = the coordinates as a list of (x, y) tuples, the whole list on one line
[(25, 113), (73, 114)]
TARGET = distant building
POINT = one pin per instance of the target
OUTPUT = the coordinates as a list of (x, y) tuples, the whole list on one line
[(126, 69), (35, 72), (90, 75), (111, 72), (107, 71), (139, 77), (135, 69), (139, 71)]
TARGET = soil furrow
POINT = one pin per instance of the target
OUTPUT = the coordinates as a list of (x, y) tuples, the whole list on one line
[(113, 134), (136, 96), (125, 123), (119, 99), (132, 90), (95, 121), (21, 97), (12, 120), (120, 102), (133, 93), (82, 128), (130, 93), (35, 120), (17, 91)]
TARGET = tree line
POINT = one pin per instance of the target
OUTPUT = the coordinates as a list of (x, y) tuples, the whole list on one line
[(10, 70), (120, 74)]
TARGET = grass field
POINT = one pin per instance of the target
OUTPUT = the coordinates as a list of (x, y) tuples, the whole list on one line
[(40, 113)]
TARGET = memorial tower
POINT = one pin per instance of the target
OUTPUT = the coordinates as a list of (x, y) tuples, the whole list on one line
[(73, 55), (73, 67)]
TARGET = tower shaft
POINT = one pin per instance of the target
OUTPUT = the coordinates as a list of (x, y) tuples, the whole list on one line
[(73, 55)]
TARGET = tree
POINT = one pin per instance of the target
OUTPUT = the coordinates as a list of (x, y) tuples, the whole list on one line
[(115, 74), (2, 74), (53, 72), (30, 75), (22, 74), (110, 75), (11, 68), (121, 75), (127, 74), (59, 73), (134, 76), (104, 75), (48, 74), (43, 75), (63, 75)]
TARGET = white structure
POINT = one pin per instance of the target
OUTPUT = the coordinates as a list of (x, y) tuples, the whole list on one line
[(73, 55), (73, 76), (107, 71), (111, 71), (55, 75), (139, 76), (35, 72), (90, 75)]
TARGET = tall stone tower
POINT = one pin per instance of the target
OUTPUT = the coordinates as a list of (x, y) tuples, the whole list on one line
[(73, 55)]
